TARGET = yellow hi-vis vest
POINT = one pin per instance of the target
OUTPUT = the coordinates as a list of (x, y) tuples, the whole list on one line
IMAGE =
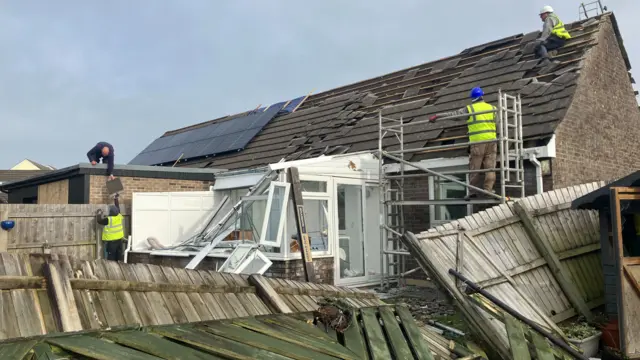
[(113, 230), (559, 29), (482, 127)]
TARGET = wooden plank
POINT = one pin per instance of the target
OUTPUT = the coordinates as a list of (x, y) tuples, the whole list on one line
[(98, 349), (210, 302), (147, 313), (30, 321), (374, 335), (216, 344), (182, 297), (127, 303), (399, 345), (518, 343), (264, 342), (234, 302), (9, 325), (170, 299), (268, 294), (221, 300), (245, 300), (196, 299), (543, 350), (553, 262), (156, 345), (16, 350), (413, 335), (297, 338), (113, 313), (93, 307), (354, 338), (301, 226), (47, 313), (64, 304)]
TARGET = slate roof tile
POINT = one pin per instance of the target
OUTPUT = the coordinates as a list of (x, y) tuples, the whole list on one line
[(348, 116)]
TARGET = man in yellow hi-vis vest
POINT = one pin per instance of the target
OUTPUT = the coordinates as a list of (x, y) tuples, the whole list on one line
[(113, 231), (553, 36), (481, 125)]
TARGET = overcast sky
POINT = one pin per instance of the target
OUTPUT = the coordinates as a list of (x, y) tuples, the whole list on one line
[(75, 72)]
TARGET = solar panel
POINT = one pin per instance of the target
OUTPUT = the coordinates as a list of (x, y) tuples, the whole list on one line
[(210, 140)]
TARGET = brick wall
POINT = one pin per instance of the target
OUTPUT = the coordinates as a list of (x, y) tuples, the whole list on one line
[(99, 195), (597, 139), (294, 270)]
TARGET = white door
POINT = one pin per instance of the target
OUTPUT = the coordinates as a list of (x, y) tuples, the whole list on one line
[(357, 258)]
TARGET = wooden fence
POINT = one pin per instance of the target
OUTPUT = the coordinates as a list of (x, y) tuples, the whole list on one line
[(536, 255), (59, 229)]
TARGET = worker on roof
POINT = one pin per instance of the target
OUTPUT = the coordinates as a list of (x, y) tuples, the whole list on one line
[(481, 128), (102, 151), (113, 230), (553, 35)]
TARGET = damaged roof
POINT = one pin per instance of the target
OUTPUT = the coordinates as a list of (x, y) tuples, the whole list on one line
[(345, 119)]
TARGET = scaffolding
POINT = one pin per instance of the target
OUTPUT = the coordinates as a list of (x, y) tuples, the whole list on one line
[(393, 254)]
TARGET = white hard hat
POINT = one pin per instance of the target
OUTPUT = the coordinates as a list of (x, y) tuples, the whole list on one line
[(546, 9)]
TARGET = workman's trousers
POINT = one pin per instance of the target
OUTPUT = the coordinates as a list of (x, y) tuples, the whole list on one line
[(112, 249), (552, 43), (482, 156)]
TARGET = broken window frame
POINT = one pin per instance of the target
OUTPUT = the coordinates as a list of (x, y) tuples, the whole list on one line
[(283, 214), (250, 252)]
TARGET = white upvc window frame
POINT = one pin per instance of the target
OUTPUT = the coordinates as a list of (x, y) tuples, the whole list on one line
[(265, 224), (250, 252), (432, 196)]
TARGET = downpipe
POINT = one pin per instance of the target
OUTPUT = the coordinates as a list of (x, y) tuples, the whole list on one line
[(536, 163)]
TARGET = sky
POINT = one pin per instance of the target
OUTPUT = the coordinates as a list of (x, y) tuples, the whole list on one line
[(75, 72)]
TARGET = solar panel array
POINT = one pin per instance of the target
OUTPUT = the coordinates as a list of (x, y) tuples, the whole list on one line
[(210, 140)]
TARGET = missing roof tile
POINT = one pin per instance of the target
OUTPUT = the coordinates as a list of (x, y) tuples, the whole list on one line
[(531, 88), (412, 91), (410, 74), (369, 99), (566, 78), (530, 36), (451, 63)]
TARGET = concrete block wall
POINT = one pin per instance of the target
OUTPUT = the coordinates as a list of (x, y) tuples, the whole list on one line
[(598, 137), (98, 193)]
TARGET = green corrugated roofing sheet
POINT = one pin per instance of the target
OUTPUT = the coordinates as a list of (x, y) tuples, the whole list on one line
[(385, 332)]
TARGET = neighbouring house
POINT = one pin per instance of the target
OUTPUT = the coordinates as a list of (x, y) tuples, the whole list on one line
[(578, 117), (86, 184), (28, 164), (15, 175)]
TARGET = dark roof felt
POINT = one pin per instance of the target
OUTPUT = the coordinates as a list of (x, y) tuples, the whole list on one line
[(345, 119), (599, 199)]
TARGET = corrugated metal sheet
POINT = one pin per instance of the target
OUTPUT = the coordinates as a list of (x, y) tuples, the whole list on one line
[(494, 250)]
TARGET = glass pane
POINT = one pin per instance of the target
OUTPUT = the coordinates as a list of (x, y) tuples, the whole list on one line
[(351, 233), (315, 212), (235, 259), (249, 223), (275, 214), (445, 189), (255, 264), (313, 186)]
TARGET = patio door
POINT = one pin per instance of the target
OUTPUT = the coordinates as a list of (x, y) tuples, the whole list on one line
[(358, 250)]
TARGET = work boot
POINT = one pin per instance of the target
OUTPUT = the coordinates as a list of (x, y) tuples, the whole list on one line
[(470, 197)]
